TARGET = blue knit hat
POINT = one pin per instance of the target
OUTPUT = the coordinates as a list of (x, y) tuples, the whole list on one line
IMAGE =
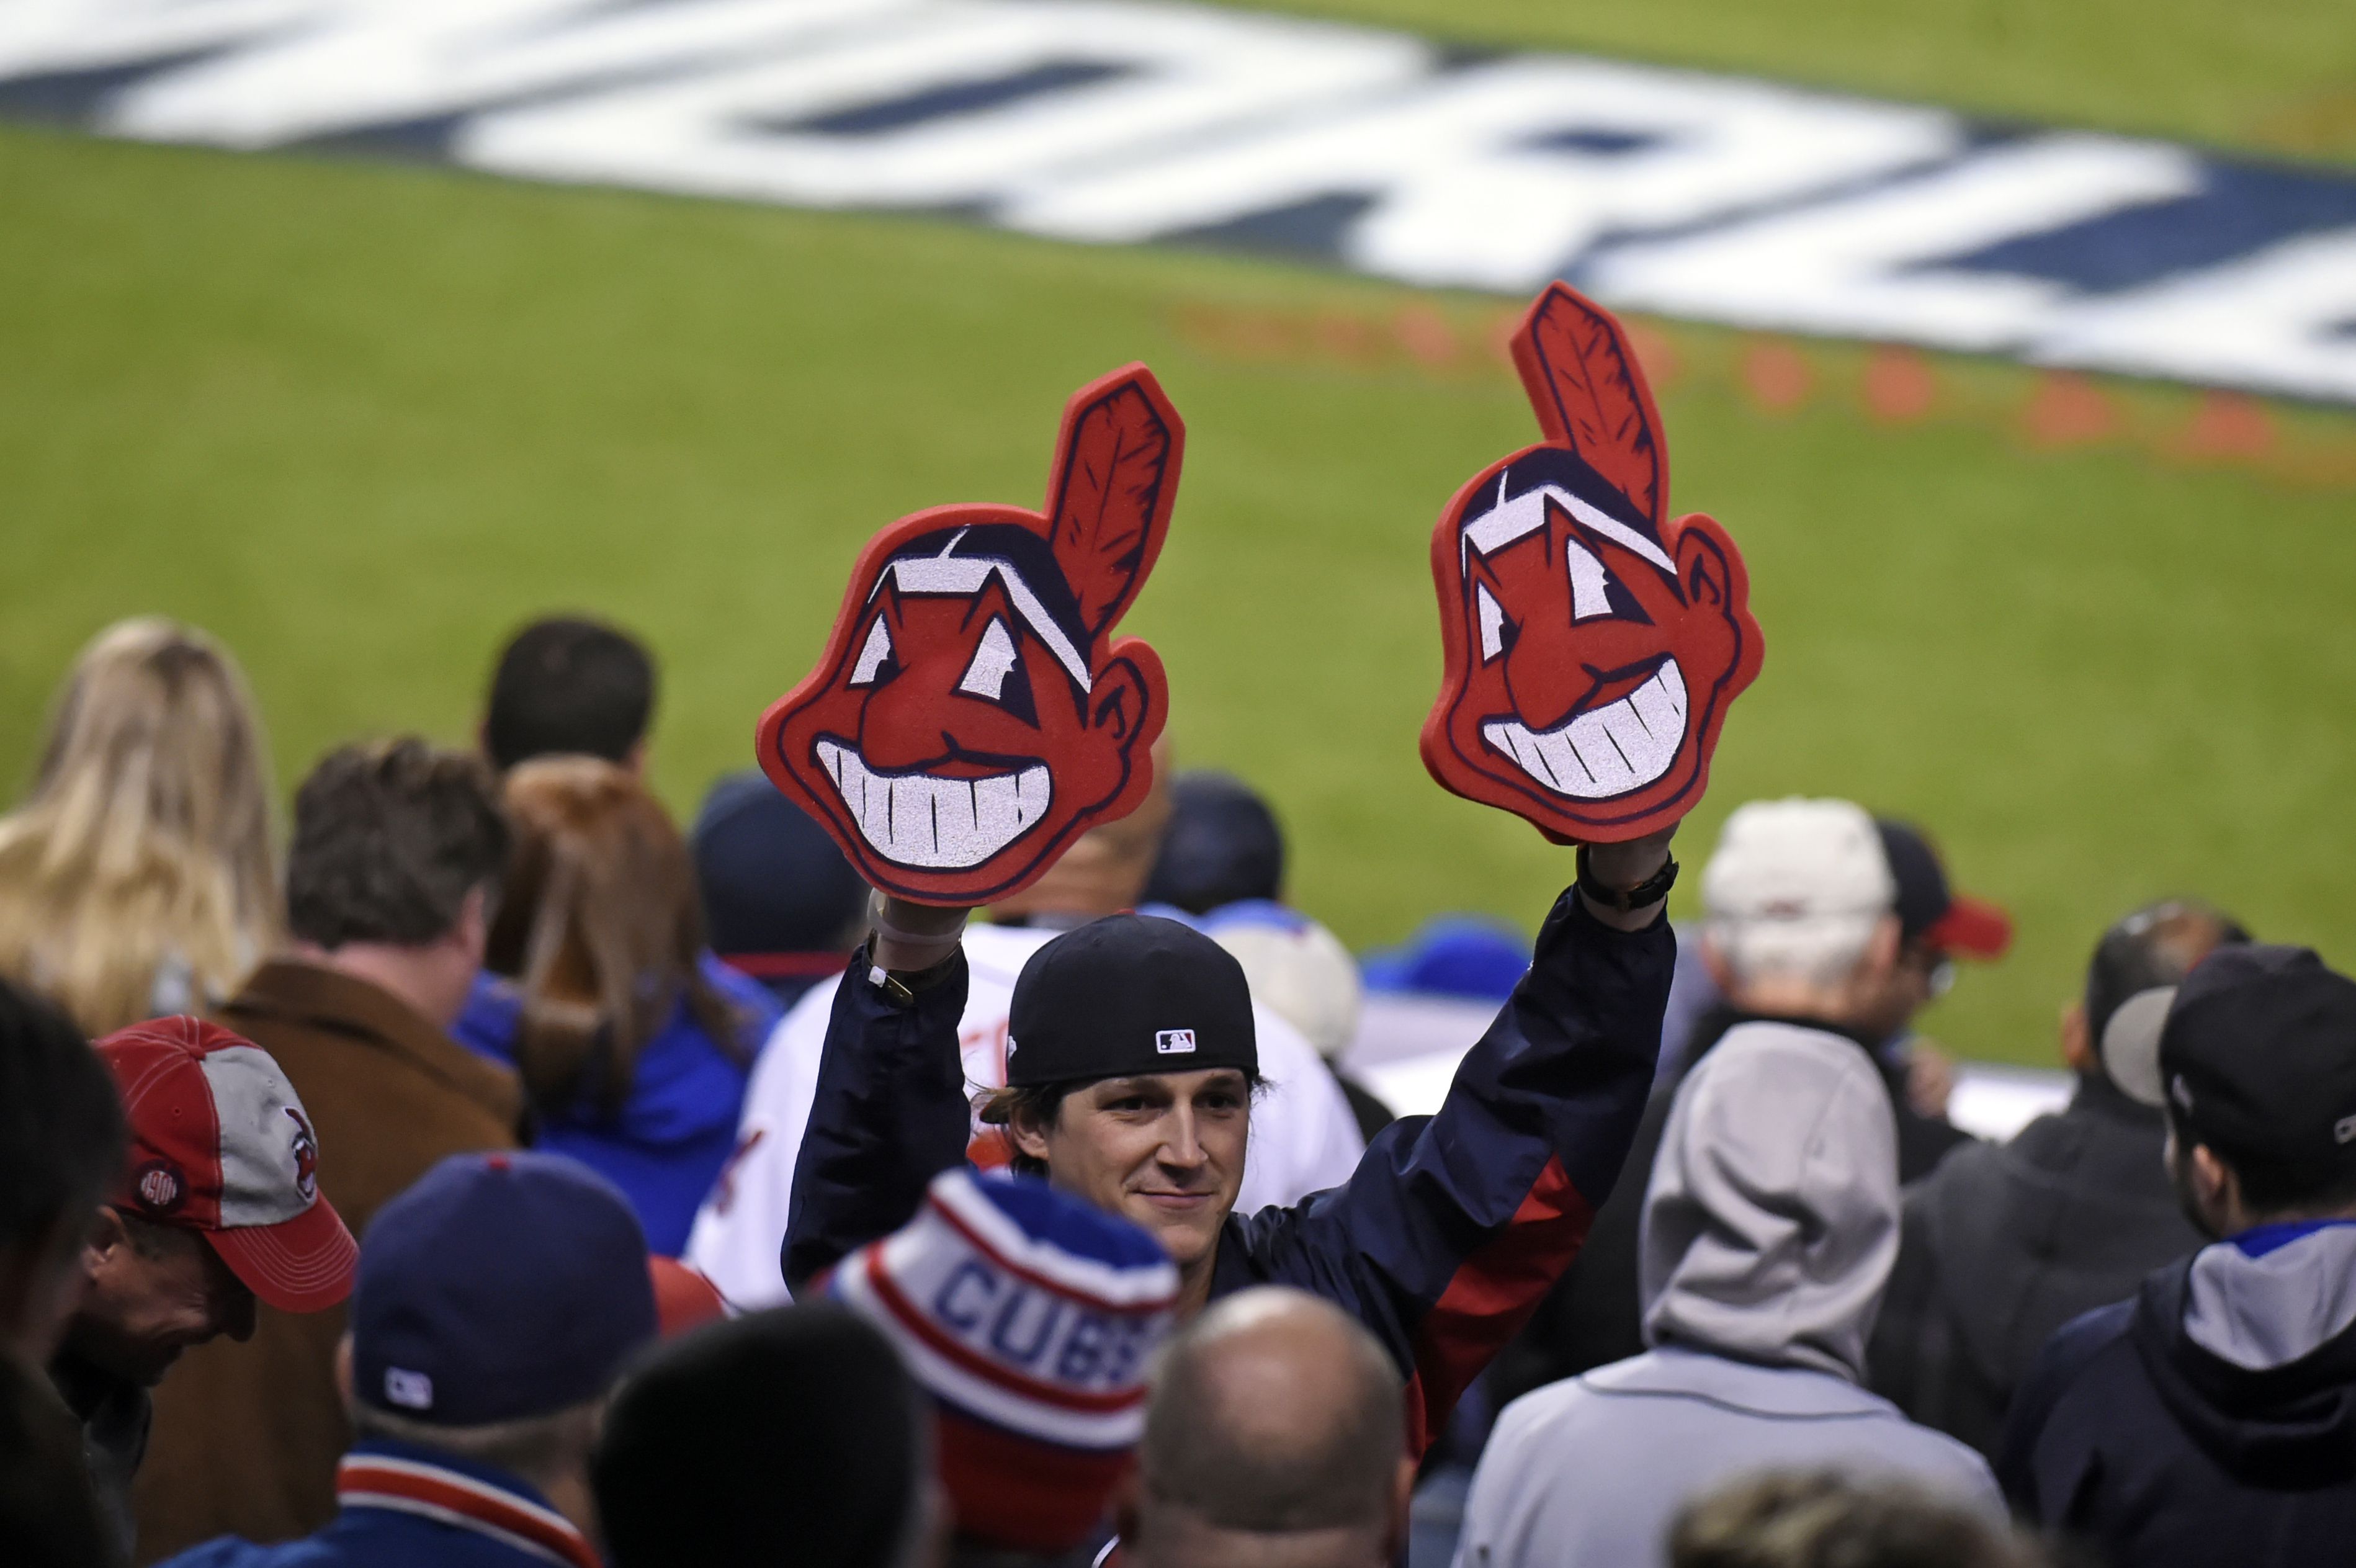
[(1031, 1318), (499, 1286)]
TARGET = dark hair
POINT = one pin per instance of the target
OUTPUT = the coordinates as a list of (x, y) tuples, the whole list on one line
[(568, 686), (1824, 1519), (599, 924), (61, 1129), (2157, 945), (1222, 845), (1043, 1104), (795, 1435), (389, 837), (2273, 1189)]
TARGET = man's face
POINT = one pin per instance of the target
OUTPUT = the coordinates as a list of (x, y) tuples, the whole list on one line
[(1920, 977), (149, 1301), (1164, 1149)]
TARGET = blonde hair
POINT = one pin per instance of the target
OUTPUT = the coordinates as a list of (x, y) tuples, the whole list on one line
[(143, 852)]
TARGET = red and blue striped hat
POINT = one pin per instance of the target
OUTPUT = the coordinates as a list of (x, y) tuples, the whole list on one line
[(1031, 1318)]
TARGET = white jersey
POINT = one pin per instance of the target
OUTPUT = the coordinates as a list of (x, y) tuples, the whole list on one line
[(1303, 1138)]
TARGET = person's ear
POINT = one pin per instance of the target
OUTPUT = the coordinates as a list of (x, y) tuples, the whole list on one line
[(2218, 1189), (1117, 703), (1028, 1138), (1402, 1500), (109, 1238), (473, 929), (634, 761), (1714, 963), (1881, 952), (2077, 1044), (344, 1373), (1127, 1515)]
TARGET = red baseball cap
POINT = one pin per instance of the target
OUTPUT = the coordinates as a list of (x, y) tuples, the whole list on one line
[(221, 1145)]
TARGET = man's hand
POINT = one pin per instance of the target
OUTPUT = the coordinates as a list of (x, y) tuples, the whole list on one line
[(912, 937), (1624, 865)]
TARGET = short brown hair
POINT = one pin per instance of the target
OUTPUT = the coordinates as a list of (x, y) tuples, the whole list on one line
[(389, 837), (1824, 1519)]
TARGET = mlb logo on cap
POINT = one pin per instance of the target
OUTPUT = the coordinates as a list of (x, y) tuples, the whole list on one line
[(1174, 1042), (221, 1145)]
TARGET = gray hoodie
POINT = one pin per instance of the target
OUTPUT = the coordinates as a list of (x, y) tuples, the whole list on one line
[(1770, 1228)]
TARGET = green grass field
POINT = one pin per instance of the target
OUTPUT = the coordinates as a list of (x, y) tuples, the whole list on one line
[(362, 419)]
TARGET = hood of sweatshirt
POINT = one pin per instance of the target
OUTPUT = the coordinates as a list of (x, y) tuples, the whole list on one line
[(2252, 1346), (1770, 1222)]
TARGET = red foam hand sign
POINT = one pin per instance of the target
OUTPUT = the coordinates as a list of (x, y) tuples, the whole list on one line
[(972, 714), (1593, 644)]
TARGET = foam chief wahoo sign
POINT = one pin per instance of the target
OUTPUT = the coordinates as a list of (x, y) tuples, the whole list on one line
[(1593, 644), (972, 714)]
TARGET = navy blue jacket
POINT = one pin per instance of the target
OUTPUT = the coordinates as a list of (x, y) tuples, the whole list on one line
[(2129, 1436), (1442, 1242), (407, 1506)]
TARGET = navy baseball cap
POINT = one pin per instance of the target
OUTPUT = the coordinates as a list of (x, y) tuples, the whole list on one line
[(779, 899), (1222, 846), (1128, 994), (499, 1286), (1929, 910)]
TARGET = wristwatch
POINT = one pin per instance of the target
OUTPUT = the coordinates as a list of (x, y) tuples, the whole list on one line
[(1652, 890)]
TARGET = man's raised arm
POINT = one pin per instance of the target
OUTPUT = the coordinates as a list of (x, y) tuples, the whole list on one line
[(890, 1109)]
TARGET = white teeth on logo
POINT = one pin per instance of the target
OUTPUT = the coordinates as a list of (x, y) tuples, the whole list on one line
[(935, 823), (1606, 751)]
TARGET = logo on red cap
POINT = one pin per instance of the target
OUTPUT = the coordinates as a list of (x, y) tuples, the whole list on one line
[(307, 1157), (160, 1187)]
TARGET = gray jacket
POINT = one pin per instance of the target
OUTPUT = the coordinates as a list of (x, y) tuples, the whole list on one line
[(1769, 1230)]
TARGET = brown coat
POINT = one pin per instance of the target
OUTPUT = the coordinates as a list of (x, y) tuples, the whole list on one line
[(247, 1436)]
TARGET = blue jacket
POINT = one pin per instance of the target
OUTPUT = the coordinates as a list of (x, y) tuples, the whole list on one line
[(678, 1125), (2210, 1419), (1443, 1240), (406, 1507)]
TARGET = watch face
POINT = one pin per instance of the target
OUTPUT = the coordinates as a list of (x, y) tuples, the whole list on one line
[(1593, 644), (972, 714)]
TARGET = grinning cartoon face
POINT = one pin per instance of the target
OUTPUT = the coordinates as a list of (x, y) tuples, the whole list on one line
[(1593, 645), (972, 714)]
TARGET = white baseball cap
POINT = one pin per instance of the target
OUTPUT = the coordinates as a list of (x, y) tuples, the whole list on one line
[(1797, 859)]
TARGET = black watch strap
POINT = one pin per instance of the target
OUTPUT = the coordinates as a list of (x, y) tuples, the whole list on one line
[(1652, 890)]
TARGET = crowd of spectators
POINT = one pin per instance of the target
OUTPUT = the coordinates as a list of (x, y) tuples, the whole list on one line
[(483, 1173)]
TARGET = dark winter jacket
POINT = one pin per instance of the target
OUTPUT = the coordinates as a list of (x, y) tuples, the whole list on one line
[(1441, 1241), (2005, 1243), (1590, 1318), (2210, 1420)]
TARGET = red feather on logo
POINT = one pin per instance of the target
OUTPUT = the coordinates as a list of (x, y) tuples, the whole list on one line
[(1110, 504), (1591, 396)]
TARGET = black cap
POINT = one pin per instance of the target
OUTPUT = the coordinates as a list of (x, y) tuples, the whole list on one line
[(1128, 994), (1222, 846), (2259, 1056)]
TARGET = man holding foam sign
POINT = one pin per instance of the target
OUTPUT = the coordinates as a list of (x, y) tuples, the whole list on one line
[(1132, 1060)]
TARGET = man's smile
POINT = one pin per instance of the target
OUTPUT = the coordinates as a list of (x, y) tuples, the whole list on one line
[(933, 820), (1607, 751)]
